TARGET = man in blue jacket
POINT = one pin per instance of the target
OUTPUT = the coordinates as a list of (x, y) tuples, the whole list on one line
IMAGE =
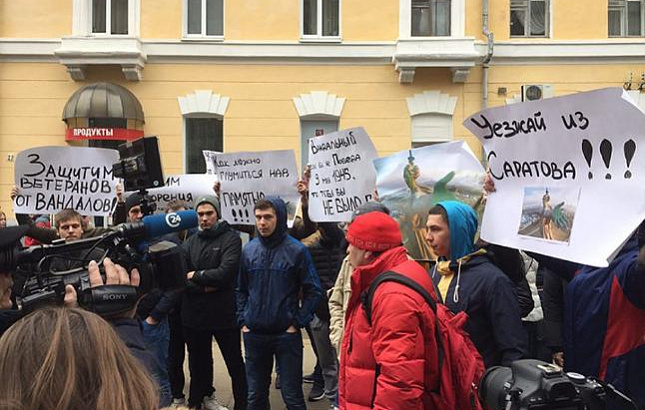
[(468, 281), (276, 271)]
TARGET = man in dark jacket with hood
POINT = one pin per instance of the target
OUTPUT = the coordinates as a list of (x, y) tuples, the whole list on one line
[(208, 306), (468, 281), (276, 269)]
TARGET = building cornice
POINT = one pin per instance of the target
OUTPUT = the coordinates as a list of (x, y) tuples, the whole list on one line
[(455, 53)]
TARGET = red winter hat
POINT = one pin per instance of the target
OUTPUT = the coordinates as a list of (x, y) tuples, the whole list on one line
[(374, 231)]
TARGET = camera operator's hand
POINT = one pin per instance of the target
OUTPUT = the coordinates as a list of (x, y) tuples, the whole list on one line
[(114, 275)]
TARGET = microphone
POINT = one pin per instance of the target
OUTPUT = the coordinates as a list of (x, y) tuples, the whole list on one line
[(153, 226)]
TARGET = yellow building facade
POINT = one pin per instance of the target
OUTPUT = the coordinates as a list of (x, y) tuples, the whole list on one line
[(268, 74)]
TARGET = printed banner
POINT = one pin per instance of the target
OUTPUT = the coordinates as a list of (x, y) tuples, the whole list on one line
[(184, 187), (569, 173), (342, 174), (51, 179), (248, 176), (411, 182)]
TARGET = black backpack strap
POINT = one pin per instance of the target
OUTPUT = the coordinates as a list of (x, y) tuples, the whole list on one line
[(390, 276)]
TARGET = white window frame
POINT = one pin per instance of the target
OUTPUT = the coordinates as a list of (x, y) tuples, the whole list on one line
[(621, 5), (203, 34), (457, 20), (319, 24), (527, 27), (82, 19)]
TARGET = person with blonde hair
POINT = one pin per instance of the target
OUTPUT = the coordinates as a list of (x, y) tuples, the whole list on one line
[(60, 358)]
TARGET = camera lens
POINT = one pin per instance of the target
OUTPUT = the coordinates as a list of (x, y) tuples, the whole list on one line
[(491, 388)]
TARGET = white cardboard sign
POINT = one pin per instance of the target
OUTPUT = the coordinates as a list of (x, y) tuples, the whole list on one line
[(51, 179), (184, 187), (247, 177), (342, 174), (569, 173)]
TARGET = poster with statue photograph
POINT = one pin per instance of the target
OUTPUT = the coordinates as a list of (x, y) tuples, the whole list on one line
[(413, 181), (569, 174)]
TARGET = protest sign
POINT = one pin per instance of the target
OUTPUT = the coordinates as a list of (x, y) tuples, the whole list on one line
[(411, 182), (51, 179), (569, 174), (209, 158), (342, 174), (185, 187), (249, 176)]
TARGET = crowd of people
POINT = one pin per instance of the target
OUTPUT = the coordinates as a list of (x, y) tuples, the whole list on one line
[(314, 277)]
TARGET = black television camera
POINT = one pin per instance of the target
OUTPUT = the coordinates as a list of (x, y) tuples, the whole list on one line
[(140, 168), (535, 385), (45, 270)]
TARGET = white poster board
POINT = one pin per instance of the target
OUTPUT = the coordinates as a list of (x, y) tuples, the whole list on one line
[(50, 179), (342, 174), (209, 159), (411, 182), (184, 187), (569, 173), (249, 176)]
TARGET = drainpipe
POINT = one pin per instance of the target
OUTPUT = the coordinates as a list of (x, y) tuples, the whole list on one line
[(485, 63)]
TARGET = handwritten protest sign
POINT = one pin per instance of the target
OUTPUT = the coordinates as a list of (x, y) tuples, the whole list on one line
[(342, 174), (51, 179), (209, 158), (249, 176), (184, 187), (411, 182), (569, 174)]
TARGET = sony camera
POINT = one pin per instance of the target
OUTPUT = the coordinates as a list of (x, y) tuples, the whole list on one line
[(535, 385), (43, 271)]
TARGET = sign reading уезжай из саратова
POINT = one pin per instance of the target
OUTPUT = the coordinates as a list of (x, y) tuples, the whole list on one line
[(569, 173)]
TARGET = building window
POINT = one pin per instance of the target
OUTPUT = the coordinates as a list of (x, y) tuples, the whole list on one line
[(202, 134), (314, 128), (110, 17), (431, 128), (204, 18), (320, 18), (626, 18), (430, 18), (529, 18)]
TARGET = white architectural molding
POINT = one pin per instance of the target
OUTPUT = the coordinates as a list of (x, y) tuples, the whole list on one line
[(406, 54), (203, 102), (431, 102), (319, 103), (458, 54), (76, 53), (543, 52)]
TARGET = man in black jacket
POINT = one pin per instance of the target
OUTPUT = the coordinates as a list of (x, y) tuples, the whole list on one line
[(208, 306)]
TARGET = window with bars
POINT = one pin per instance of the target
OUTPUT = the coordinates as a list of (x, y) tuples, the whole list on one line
[(110, 17), (202, 134), (430, 18), (320, 18), (626, 18), (204, 18), (529, 18)]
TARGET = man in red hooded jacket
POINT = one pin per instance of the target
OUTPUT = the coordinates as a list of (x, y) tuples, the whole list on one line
[(393, 363)]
